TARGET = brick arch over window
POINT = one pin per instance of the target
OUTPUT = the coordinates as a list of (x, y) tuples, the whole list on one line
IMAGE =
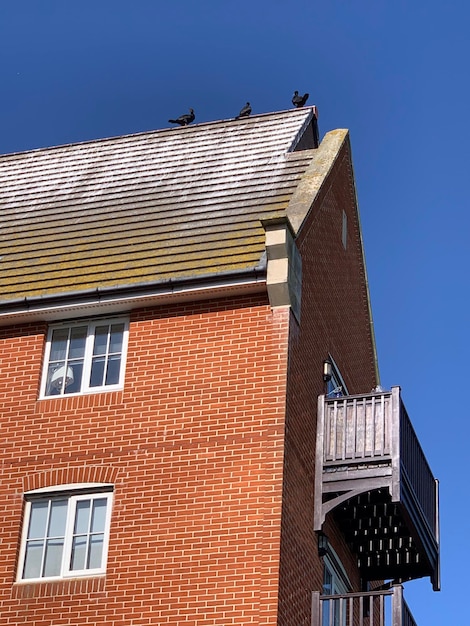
[(70, 475)]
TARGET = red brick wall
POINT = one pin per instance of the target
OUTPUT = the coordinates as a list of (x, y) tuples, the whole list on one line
[(335, 320), (194, 446)]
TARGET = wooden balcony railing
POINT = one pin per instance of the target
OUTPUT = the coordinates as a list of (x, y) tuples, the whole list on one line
[(366, 446), (374, 608)]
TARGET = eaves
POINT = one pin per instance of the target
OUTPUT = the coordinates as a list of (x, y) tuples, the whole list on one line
[(110, 300)]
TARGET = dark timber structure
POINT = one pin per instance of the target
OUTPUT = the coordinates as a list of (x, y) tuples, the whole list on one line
[(371, 473)]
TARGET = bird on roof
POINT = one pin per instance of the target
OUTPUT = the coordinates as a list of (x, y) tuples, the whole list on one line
[(184, 120), (245, 112), (299, 101)]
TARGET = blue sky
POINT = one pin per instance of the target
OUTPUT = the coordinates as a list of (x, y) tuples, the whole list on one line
[(394, 72)]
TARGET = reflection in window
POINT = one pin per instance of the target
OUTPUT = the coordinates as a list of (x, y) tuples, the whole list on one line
[(65, 536), (85, 357)]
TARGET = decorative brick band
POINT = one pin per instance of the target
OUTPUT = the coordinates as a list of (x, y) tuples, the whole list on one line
[(70, 475)]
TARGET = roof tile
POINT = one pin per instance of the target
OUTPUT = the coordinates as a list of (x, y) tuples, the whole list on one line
[(165, 204)]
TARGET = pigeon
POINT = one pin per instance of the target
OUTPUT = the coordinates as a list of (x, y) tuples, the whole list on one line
[(245, 112), (299, 101), (184, 120)]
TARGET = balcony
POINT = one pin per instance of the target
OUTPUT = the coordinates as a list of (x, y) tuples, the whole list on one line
[(374, 608), (372, 476)]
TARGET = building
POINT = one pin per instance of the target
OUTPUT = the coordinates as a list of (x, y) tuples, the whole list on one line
[(186, 364)]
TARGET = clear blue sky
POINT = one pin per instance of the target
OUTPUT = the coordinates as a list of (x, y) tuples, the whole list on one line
[(394, 72)]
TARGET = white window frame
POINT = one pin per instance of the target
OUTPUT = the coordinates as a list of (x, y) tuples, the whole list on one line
[(63, 493), (91, 325)]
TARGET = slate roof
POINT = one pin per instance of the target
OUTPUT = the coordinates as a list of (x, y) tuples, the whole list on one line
[(146, 208)]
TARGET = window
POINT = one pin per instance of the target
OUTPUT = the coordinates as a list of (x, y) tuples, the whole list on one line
[(85, 357), (65, 534), (335, 582), (335, 387)]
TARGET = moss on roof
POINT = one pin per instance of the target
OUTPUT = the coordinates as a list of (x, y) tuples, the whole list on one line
[(168, 204)]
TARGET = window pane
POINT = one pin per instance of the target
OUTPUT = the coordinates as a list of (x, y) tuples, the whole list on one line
[(326, 604), (117, 332), (82, 517), (74, 382), (96, 552), (97, 371), (38, 520), (32, 560), (58, 517), (59, 344), (55, 378), (114, 366), (77, 342), (327, 582), (77, 559), (59, 379), (98, 517), (101, 339), (53, 557)]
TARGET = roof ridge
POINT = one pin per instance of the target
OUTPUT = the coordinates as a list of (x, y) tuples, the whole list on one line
[(156, 131)]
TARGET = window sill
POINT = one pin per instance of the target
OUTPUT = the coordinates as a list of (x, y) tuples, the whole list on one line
[(76, 400), (88, 392), (59, 586)]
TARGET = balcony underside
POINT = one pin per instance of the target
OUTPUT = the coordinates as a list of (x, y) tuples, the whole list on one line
[(381, 536)]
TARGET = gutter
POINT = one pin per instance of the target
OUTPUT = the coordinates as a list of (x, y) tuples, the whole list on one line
[(121, 298)]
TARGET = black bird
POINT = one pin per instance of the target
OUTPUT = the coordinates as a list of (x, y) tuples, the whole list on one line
[(184, 120), (245, 112), (299, 101)]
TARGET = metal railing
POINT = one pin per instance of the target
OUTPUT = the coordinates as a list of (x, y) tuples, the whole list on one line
[(418, 472), (373, 608)]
